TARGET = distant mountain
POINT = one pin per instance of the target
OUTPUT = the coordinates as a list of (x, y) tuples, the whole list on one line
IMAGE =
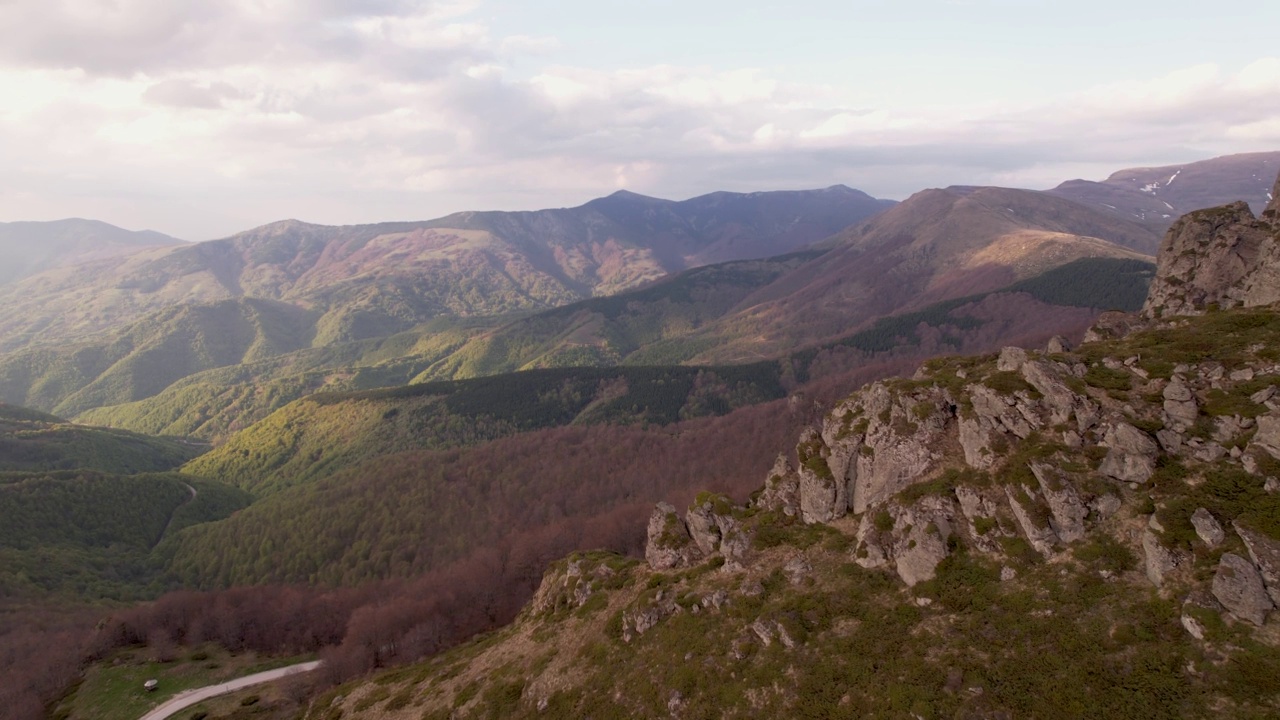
[(375, 280), (27, 248), (1157, 196), (935, 246)]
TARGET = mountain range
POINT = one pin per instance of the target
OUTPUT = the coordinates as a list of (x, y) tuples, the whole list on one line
[(412, 468), (1156, 196)]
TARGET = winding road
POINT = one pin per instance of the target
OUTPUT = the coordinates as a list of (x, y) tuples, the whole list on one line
[(187, 698)]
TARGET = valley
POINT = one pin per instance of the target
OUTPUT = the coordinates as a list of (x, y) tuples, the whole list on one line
[(368, 444)]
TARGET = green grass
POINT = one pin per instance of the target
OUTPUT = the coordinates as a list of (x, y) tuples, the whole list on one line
[(113, 689)]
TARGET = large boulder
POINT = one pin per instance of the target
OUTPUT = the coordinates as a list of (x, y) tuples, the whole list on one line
[(1265, 553), (1238, 586), (1131, 456), (1221, 256)]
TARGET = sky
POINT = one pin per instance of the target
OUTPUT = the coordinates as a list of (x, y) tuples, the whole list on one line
[(201, 118)]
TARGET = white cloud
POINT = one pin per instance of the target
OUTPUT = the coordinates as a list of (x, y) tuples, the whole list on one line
[(201, 118)]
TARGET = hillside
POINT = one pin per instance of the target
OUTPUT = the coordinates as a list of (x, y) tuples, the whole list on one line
[(935, 246), (375, 280), (1157, 196), (1072, 533), (28, 248), (75, 535), (147, 356), (641, 327), (32, 441)]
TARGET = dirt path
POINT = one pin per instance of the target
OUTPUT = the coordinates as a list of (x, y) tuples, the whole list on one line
[(187, 698)]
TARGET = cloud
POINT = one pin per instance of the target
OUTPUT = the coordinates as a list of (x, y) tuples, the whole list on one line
[(204, 117)]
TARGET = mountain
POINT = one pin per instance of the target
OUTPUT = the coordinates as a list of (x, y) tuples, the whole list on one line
[(637, 328), (1068, 533), (28, 248), (935, 246), (374, 280), (1156, 196)]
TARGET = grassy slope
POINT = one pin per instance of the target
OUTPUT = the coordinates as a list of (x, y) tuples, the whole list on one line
[(112, 689)]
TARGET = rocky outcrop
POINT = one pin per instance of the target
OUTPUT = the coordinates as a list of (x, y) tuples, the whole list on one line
[(1238, 586), (911, 539), (668, 542), (1222, 256)]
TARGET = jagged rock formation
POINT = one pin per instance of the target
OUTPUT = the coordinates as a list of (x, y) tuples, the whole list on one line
[(1044, 448), (1221, 257)]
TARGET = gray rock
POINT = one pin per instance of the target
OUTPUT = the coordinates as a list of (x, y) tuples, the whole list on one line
[(735, 543), (1265, 553), (701, 521), (1221, 256), (1011, 359), (1170, 441), (668, 543), (781, 489), (1105, 505), (1268, 435), (1193, 626), (1160, 561), (1207, 528), (1041, 538), (1132, 456), (1180, 405), (1209, 452), (1199, 599), (1263, 395), (818, 498), (1062, 402), (981, 504), (975, 441), (797, 569), (1064, 502), (1241, 375), (999, 410), (896, 461), (1058, 345), (1238, 586), (917, 554)]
